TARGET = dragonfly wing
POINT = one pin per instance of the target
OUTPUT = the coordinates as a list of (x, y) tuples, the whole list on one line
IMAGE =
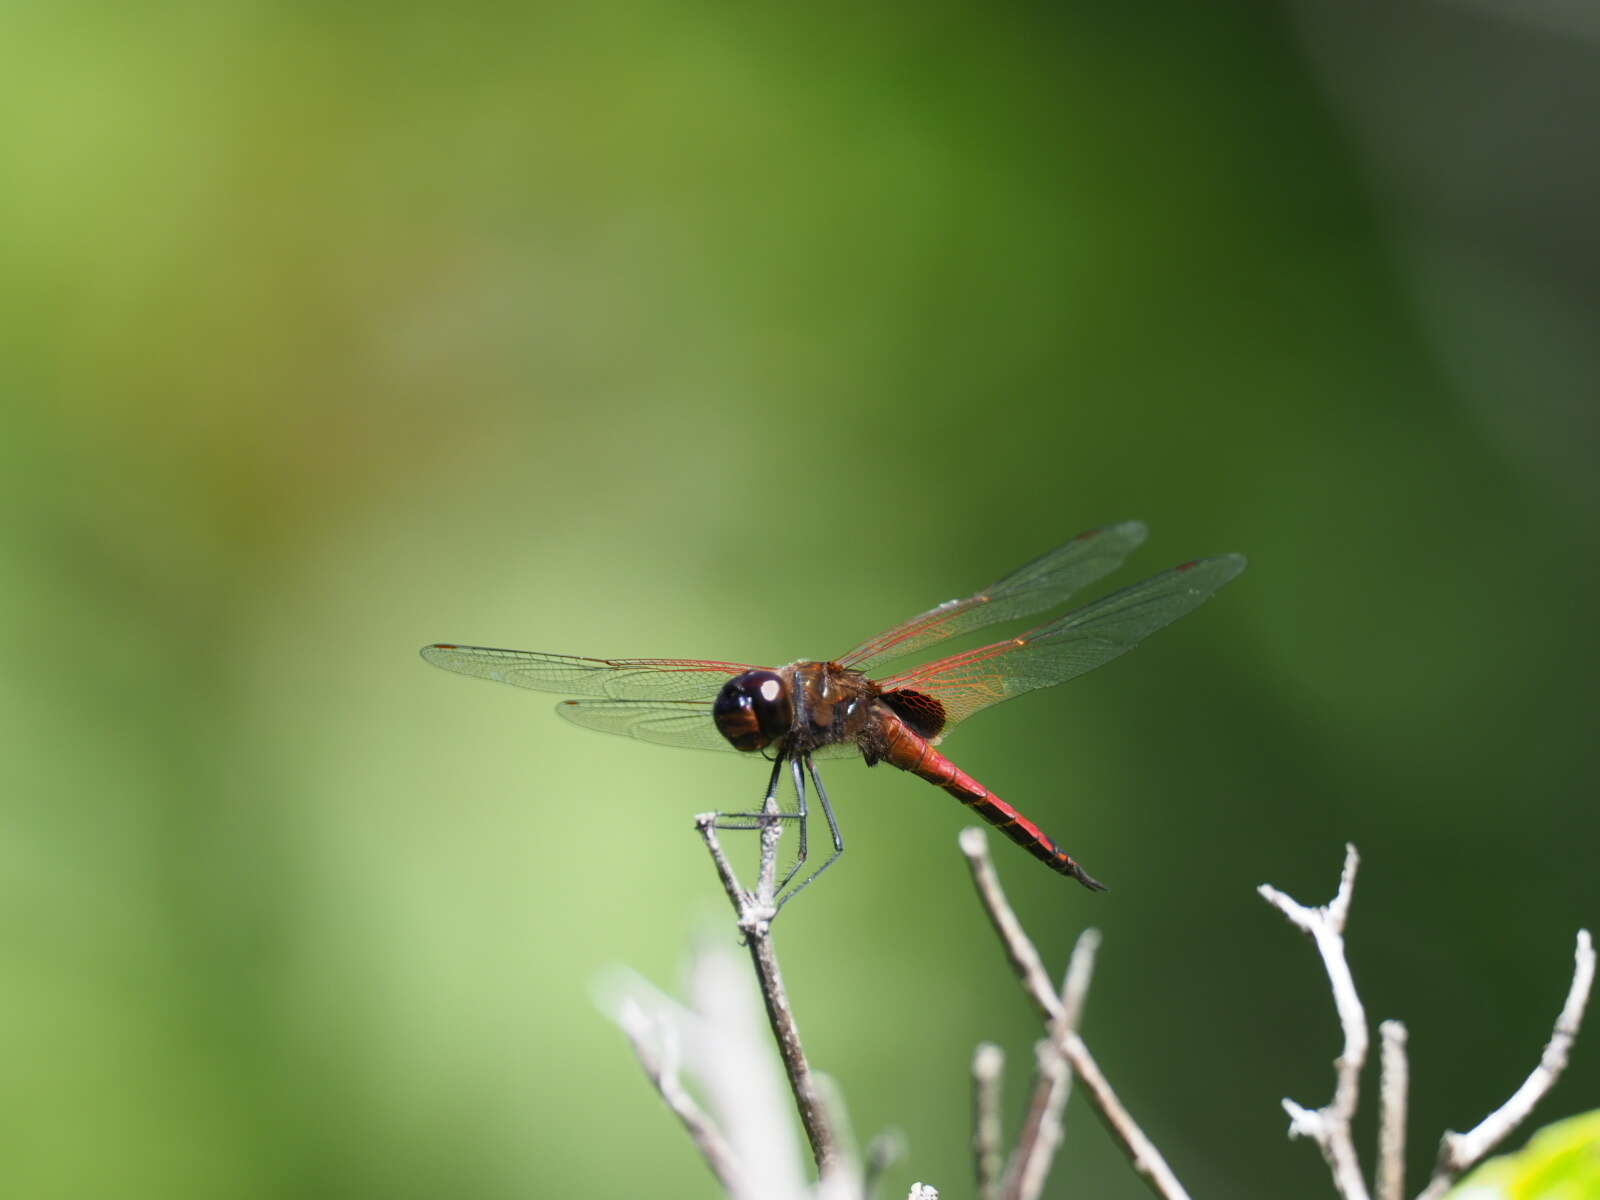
[(683, 723), (686, 724), (614, 678), (1067, 647), (1044, 583)]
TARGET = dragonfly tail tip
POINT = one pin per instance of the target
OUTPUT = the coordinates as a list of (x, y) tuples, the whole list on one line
[(1089, 881)]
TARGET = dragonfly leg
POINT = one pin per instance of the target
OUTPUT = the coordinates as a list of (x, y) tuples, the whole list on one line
[(833, 828), (801, 812), (771, 814), (745, 822)]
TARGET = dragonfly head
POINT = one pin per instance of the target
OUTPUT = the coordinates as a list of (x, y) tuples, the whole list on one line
[(753, 710)]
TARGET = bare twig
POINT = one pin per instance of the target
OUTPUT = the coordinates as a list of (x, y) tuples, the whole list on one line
[(1394, 1082), (706, 823), (1024, 957), (1141, 1151), (848, 1177), (1041, 1131), (1146, 1159), (1329, 1126), (988, 1159), (662, 1069), (1458, 1151), (1063, 1054), (771, 833), (755, 913), (1041, 1128), (1075, 985)]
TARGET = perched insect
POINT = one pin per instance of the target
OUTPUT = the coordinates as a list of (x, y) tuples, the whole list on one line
[(842, 706)]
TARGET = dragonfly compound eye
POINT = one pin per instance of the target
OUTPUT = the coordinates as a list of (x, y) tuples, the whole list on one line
[(753, 709)]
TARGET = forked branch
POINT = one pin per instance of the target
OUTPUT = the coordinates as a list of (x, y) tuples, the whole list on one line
[(1062, 1055), (755, 911), (1063, 1052), (658, 1056), (1329, 1126), (1458, 1151), (1041, 1129)]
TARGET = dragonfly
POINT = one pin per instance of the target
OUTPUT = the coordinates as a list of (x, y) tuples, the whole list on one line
[(847, 707)]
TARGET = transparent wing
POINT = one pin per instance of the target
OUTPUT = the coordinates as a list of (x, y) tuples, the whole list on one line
[(1044, 583), (1068, 646), (684, 723), (616, 678)]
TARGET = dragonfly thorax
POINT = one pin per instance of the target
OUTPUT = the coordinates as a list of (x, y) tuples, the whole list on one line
[(831, 704), (798, 708)]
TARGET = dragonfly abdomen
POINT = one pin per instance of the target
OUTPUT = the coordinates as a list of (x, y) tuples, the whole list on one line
[(904, 748)]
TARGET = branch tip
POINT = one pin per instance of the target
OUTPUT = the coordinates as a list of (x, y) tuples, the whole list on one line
[(1019, 948), (1061, 1056), (1075, 987), (1393, 1099), (1459, 1151), (1339, 906), (988, 1060), (988, 1155), (1329, 1126)]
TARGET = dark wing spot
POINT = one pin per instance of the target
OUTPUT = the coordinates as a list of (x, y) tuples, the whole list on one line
[(919, 710)]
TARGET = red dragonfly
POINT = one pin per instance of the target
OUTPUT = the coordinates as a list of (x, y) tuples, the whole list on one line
[(844, 707)]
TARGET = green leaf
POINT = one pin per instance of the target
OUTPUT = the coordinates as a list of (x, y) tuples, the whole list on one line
[(1560, 1162)]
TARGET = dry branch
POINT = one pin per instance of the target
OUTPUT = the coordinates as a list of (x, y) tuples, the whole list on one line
[(755, 913), (1458, 1151), (1062, 1055), (1041, 1130), (661, 1068), (988, 1158), (1329, 1126), (1393, 1086), (1062, 1012)]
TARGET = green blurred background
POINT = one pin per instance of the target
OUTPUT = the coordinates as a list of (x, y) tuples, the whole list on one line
[(741, 332)]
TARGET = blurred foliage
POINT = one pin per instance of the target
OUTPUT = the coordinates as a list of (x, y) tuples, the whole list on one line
[(327, 331), (1560, 1162)]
